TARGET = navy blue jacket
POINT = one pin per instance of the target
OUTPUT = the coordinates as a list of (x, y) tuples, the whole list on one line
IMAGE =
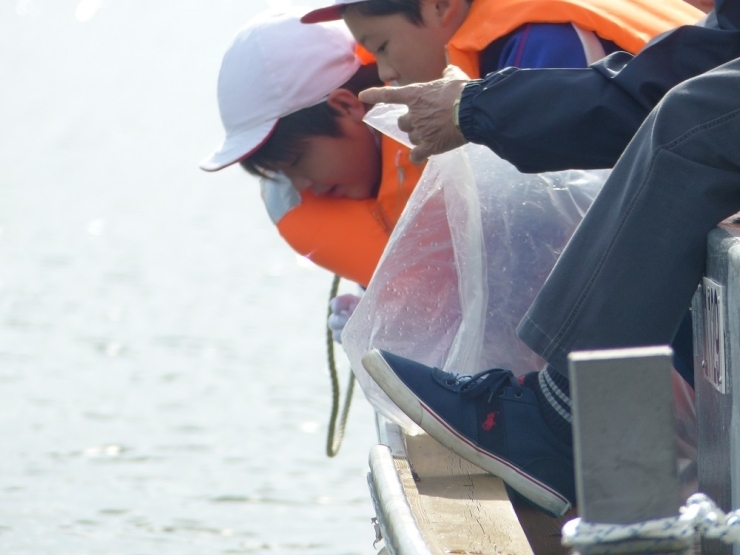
[(556, 119)]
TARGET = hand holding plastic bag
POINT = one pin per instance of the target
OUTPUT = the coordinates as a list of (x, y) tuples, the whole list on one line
[(342, 307), (429, 121)]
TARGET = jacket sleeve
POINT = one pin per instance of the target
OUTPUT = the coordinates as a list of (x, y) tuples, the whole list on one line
[(555, 119)]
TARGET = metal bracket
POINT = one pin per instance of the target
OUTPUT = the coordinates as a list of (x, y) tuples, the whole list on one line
[(714, 367)]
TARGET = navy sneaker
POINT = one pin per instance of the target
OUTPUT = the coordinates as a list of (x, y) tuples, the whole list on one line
[(490, 419)]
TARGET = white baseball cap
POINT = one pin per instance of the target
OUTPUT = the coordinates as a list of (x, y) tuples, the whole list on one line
[(274, 67), (329, 13)]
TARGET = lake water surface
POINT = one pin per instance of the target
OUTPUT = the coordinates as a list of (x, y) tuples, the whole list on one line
[(163, 384)]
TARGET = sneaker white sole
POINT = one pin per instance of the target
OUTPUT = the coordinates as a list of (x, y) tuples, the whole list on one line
[(528, 486)]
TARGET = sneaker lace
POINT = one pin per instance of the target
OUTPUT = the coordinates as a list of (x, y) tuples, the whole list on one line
[(491, 381)]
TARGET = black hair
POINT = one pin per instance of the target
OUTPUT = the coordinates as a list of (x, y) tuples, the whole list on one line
[(289, 135), (410, 9)]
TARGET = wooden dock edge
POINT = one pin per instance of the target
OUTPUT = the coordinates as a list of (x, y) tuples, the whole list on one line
[(430, 502)]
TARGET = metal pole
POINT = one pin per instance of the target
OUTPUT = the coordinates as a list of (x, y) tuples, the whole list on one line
[(624, 441)]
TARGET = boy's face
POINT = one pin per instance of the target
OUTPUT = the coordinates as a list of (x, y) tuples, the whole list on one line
[(347, 166), (407, 53)]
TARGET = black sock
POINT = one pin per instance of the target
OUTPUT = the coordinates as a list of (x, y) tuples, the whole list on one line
[(553, 393)]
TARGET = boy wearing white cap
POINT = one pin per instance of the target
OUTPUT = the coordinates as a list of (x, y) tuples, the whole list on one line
[(413, 40), (287, 95)]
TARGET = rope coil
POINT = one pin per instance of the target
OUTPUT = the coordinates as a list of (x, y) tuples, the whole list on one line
[(699, 516)]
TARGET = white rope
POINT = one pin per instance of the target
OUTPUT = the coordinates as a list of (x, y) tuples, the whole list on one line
[(699, 516)]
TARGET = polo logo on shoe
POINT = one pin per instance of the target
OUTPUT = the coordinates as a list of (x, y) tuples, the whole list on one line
[(490, 421)]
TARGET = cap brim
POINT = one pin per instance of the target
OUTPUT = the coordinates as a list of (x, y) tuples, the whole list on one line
[(235, 148), (330, 13)]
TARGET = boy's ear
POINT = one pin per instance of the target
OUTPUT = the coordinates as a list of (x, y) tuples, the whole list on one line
[(446, 13), (346, 103)]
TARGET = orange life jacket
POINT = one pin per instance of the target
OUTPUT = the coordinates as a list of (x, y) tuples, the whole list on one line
[(347, 236), (630, 24)]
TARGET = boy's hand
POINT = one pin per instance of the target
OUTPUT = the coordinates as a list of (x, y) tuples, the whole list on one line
[(342, 308), (429, 120)]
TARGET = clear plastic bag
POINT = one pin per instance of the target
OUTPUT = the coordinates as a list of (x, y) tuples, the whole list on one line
[(467, 258), (470, 252)]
